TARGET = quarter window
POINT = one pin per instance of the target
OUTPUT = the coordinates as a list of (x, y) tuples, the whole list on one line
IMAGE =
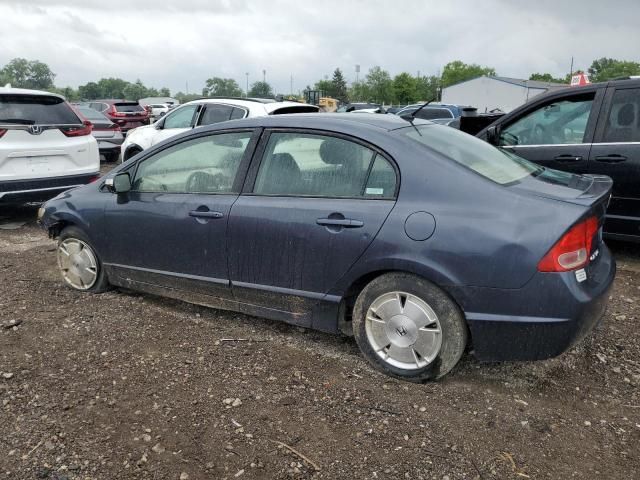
[(322, 166), (560, 122), (181, 118), (623, 122), (203, 165)]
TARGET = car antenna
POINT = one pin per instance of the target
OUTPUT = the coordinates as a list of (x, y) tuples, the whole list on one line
[(412, 116)]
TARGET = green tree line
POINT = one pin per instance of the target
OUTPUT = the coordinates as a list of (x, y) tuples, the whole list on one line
[(377, 85)]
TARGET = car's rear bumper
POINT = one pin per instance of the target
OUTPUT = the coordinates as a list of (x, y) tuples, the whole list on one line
[(541, 320), (41, 189)]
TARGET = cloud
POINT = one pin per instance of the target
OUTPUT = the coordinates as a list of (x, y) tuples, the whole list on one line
[(192, 40)]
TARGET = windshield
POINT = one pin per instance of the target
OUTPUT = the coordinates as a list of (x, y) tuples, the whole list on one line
[(32, 109), (91, 114), (484, 159), (128, 107)]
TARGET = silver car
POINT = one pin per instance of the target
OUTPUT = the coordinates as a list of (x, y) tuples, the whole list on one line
[(107, 134)]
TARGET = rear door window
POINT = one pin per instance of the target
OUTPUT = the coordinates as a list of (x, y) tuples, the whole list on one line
[(216, 114), (623, 120), (561, 122), (304, 164), (36, 109), (238, 113), (433, 113)]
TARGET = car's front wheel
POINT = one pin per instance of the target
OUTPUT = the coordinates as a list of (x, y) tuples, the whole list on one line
[(79, 264), (409, 328)]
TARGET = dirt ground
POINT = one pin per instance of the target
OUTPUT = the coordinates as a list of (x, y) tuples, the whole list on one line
[(131, 386)]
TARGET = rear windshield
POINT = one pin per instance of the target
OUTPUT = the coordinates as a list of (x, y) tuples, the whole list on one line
[(128, 107), (495, 164), (91, 114), (32, 109), (295, 109)]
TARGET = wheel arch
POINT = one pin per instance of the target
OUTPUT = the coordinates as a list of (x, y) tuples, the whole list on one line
[(356, 284), (131, 151)]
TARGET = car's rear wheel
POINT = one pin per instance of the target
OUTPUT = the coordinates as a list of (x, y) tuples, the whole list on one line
[(409, 328), (78, 262)]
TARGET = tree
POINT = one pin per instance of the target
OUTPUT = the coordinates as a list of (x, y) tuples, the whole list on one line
[(186, 97), (90, 91), (380, 85), (135, 91), (339, 86), (222, 87), (164, 92), (427, 88), (261, 89), (325, 86), (23, 73), (359, 92), (458, 71), (546, 77), (604, 69), (404, 89)]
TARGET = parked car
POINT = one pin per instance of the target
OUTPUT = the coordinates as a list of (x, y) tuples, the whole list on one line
[(592, 129), (108, 134), (367, 224), (433, 111), (45, 147), (158, 110), (361, 108), (206, 111), (124, 113)]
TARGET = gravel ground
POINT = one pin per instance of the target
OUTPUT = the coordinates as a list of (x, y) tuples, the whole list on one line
[(124, 385)]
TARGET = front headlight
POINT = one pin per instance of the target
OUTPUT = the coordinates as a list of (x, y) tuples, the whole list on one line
[(40, 213)]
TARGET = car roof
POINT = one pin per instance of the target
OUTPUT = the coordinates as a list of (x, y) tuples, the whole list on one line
[(250, 103), (24, 91), (323, 121)]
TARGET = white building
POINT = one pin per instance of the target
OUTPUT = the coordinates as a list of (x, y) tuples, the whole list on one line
[(490, 93)]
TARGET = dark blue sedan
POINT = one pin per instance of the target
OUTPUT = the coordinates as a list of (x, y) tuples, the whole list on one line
[(414, 237)]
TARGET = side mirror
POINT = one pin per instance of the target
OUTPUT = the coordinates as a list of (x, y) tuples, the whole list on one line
[(159, 125), (493, 135), (121, 183)]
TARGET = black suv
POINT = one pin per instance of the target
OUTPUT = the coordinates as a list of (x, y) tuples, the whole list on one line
[(593, 129)]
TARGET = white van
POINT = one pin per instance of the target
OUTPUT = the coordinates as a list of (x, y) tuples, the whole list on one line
[(45, 148)]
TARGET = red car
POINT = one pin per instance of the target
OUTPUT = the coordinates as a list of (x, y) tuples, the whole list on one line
[(126, 114)]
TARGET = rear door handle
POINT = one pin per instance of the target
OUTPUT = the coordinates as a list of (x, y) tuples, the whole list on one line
[(615, 158), (340, 222), (205, 214), (568, 158)]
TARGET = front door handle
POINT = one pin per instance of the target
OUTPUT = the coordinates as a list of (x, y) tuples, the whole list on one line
[(568, 158), (615, 158), (205, 214), (340, 222)]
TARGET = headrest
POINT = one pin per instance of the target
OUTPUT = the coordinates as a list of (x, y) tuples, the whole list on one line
[(338, 152), (626, 115)]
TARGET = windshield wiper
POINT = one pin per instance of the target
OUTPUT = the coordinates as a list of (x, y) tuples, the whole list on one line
[(19, 121)]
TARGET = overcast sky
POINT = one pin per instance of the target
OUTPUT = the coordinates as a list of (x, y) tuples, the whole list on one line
[(169, 43)]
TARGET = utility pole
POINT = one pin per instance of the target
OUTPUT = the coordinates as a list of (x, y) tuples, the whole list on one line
[(264, 76), (571, 70), (291, 84), (247, 90), (357, 73)]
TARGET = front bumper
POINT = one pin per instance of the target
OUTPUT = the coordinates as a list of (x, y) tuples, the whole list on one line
[(40, 189), (541, 320)]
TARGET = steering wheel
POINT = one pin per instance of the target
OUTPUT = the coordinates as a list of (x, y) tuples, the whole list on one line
[(205, 182)]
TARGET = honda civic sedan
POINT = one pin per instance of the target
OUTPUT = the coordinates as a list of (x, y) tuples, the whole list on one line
[(415, 238)]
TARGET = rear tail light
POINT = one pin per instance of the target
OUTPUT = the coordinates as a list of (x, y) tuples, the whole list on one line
[(78, 131), (2, 132), (572, 250), (115, 113), (94, 178)]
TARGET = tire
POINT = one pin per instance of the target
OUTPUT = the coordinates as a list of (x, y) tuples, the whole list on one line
[(77, 259), (413, 330)]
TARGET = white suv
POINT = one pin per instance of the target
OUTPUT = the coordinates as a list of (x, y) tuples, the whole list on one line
[(205, 112), (45, 148)]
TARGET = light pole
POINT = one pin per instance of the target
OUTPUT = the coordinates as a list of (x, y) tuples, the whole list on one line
[(357, 73), (247, 90), (264, 76)]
